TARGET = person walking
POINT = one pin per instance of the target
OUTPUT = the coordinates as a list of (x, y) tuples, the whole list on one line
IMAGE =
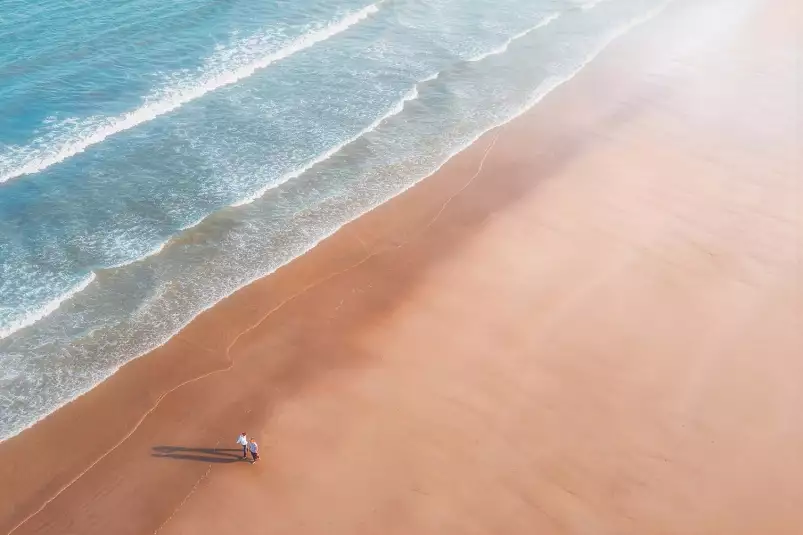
[(254, 447), (242, 440)]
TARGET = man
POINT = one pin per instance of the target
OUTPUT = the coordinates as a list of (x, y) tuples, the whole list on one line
[(242, 440), (254, 447)]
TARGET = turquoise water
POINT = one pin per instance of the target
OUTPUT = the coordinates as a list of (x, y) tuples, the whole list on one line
[(157, 156)]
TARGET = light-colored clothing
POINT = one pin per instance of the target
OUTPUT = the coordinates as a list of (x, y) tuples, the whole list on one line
[(242, 441), (254, 447)]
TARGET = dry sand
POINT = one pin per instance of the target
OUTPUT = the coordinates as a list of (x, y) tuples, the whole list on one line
[(590, 322)]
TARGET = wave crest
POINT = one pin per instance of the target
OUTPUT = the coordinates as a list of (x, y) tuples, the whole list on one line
[(37, 160), (503, 47), (394, 110), (45, 310)]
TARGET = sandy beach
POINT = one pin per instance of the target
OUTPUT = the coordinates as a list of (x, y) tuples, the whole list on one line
[(589, 322)]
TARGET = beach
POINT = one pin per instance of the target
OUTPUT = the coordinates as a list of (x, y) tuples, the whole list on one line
[(588, 322)]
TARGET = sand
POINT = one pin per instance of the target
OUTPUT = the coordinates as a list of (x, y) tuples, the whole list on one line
[(590, 322)]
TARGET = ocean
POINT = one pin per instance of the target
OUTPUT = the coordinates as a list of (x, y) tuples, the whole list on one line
[(157, 156)]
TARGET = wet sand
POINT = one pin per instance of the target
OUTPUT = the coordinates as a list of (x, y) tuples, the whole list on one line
[(590, 322)]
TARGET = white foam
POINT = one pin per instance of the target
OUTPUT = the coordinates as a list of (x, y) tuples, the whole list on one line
[(430, 78), (156, 250), (94, 133), (394, 110), (591, 4), (192, 224), (503, 47), (45, 310)]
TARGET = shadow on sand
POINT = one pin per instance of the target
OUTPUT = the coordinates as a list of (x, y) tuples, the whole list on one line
[(206, 455)]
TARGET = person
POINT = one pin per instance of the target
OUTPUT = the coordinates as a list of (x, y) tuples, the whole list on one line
[(242, 440), (254, 447)]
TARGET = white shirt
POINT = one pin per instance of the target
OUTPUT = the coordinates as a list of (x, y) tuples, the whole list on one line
[(242, 441)]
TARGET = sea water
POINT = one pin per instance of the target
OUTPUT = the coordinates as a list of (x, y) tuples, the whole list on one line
[(157, 156)]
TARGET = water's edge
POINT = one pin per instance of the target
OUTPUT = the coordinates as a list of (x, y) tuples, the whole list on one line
[(539, 94)]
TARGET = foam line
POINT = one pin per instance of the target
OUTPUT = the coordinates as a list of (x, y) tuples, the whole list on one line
[(51, 306), (153, 252), (45, 310), (430, 78), (591, 4), (394, 110), (177, 98), (503, 47), (40, 313)]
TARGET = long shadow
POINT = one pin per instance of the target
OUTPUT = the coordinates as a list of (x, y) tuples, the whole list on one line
[(205, 455)]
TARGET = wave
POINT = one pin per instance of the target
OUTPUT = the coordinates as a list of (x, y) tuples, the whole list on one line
[(546, 87), (45, 310), (503, 47), (36, 315), (430, 78), (394, 110), (174, 99), (591, 4), (152, 252), (51, 306)]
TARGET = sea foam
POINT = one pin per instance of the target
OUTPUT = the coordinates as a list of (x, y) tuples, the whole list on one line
[(97, 130), (394, 110), (591, 4), (503, 47), (45, 310)]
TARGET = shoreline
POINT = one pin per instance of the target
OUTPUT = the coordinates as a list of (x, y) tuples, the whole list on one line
[(84, 405), (396, 246), (539, 95)]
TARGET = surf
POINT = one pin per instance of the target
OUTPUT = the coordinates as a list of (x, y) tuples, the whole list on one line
[(97, 130), (397, 108), (591, 4), (504, 46), (44, 310)]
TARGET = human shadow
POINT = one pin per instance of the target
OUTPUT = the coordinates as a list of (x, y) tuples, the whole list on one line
[(206, 455)]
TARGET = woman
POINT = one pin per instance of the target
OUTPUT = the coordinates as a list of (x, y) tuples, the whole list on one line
[(254, 447)]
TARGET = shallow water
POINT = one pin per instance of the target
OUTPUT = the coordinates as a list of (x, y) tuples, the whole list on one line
[(156, 156)]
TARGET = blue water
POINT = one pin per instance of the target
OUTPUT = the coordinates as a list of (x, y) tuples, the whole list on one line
[(156, 156)]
